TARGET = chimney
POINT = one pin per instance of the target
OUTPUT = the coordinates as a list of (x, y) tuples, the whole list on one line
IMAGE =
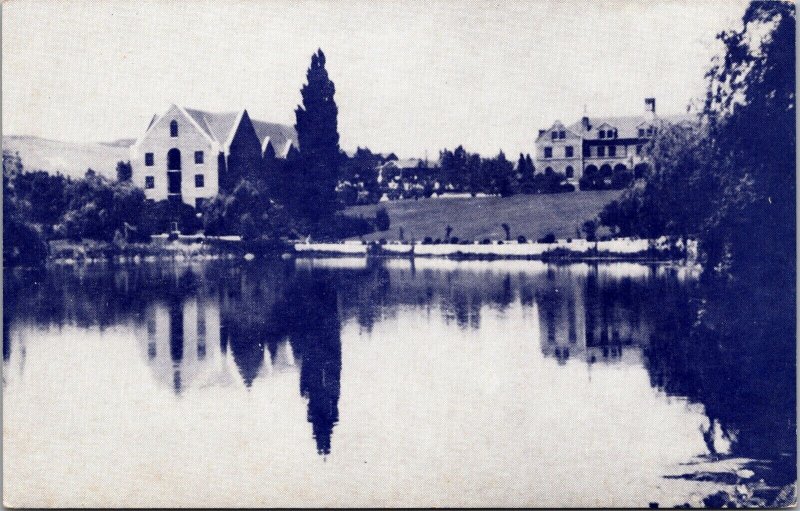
[(650, 105), (541, 132), (585, 123)]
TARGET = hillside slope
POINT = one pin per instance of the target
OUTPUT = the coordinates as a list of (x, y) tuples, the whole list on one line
[(532, 216), (69, 158)]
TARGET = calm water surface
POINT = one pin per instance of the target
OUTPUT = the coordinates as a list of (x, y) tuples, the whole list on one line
[(337, 381)]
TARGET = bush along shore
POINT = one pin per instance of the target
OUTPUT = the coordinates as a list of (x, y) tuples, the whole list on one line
[(163, 248)]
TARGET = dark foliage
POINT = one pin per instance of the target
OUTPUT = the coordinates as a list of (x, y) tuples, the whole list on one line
[(124, 171), (548, 238), (23, 243), (157, 217), (98, 208), (246, 211), (706, 180), (382, 221), (318, 136)]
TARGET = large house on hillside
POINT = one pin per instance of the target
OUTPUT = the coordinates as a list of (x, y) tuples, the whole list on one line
[(600, 145), (188, 155)]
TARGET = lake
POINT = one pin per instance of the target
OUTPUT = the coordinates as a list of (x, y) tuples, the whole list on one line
[(342, 381)]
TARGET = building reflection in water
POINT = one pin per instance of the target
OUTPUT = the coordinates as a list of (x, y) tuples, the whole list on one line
[(588, 313), (264, 324)]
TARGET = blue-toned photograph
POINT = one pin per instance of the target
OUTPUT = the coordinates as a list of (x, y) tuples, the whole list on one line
[(315, 253)]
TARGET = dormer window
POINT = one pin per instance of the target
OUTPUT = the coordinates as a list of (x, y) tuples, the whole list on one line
[(554, 135), (602, 134), (641, 132), (173, 128), (562, 134)]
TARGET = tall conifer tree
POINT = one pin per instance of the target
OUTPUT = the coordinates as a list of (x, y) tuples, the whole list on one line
[(318, 137)]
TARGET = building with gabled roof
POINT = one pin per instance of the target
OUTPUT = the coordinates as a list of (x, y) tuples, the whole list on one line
[(188, 155), (600, 145)]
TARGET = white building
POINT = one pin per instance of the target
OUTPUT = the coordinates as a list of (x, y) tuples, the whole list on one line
[(186, 154), (599, 145)]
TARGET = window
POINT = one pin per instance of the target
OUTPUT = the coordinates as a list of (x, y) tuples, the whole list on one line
[(641, 132), (149, 182), (638, 149), (602, 134), (587, 151), (568, 152), (548, 152), (554, 135), (199, 181), (173, 128), (148, 159), (612, 150), (601, 151), (198, 157), (562, 134)]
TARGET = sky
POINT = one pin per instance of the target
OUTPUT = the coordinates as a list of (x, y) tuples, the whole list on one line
[(412, 77)]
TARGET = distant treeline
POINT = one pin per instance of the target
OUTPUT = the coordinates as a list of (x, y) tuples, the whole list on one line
[(367, 177)]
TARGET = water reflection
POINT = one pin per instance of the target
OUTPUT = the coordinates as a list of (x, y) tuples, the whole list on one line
[(596, 315), (213, 325)]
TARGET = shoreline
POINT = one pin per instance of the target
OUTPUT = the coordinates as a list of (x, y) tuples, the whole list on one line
[(64, 252)]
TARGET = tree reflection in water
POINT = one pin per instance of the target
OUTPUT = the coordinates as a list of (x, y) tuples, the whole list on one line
[(720, 345)]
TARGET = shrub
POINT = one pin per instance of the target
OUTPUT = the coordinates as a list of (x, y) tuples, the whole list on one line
[(382, 220), (522, 239), (548, 238), (157, 216)]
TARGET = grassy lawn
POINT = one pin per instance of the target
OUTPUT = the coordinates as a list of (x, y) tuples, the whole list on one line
[(532, 216)]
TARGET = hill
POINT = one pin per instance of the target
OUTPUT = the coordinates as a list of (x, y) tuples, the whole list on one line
[(69, 158), (532, 216)]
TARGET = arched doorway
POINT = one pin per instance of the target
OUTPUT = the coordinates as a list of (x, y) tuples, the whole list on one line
[(174, 171)]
